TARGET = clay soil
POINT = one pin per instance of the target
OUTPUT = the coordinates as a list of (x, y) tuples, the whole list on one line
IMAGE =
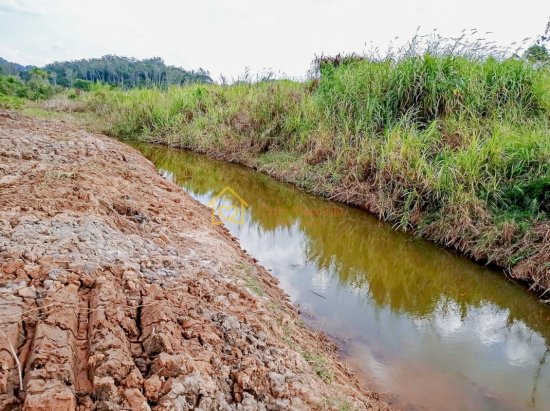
[(117, 292)]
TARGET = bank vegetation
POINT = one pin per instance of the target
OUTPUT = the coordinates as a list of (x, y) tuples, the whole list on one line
[(450, 141)]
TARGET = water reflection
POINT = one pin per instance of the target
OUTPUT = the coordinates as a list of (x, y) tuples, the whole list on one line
[(434, 329)]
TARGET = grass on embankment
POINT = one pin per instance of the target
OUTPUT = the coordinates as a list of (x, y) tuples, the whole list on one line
[(453, 148)]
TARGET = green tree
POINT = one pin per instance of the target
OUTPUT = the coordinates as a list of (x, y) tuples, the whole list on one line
[(39, 84), (84, 85), (538, 52), (70, 75), (125, 72)]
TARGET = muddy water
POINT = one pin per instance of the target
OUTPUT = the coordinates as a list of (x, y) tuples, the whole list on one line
[(431, 329)]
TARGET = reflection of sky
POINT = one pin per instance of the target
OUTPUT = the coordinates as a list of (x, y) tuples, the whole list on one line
[(488, 326), (475, 355)]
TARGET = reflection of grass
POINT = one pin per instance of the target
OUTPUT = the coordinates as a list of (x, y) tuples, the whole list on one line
[(412, 280), (449, 145)]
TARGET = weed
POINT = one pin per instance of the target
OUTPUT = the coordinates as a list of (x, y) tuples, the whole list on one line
[(338, 404), (251, 281), (58, 175), (319, 364)]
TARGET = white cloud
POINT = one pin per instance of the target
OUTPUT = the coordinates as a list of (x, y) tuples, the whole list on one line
[(28, 7), (225, 37), (15, 55)]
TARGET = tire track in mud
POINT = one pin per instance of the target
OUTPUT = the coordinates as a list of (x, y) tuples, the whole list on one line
[(50, 369), (89, 347), (11, 311)]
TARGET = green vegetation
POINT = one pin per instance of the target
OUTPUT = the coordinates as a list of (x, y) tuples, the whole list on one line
[(320, 365), (452, 146), (14, 91), (449, 141), (251, 281), (538, 53), (18, 82), (123, 72), (12, 69)]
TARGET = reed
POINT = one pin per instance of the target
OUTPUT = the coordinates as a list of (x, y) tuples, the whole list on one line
[(447, 139)]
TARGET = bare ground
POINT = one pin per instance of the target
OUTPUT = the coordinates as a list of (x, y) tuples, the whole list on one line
[(117, 292)]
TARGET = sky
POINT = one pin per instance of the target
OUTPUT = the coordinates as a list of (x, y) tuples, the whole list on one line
[(226, 36)]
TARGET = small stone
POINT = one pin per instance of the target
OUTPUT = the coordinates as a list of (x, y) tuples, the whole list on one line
[(27, 292), (152, 387), (104, 388), (87, 280), (231, 323), (134, 379), (222, 299), (48, 284), (136, 400), (278, 385)]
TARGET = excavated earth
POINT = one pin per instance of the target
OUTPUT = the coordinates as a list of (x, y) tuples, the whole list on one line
[(117, 292)]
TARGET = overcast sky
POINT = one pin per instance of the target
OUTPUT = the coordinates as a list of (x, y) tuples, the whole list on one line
[(225, 36)]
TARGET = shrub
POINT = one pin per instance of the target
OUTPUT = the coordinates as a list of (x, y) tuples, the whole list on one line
[(83, 85), (10, 102)]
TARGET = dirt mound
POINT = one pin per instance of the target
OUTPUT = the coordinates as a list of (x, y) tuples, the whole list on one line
[(116, 292)]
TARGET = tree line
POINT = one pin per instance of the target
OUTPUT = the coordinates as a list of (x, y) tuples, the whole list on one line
[(118, 71)]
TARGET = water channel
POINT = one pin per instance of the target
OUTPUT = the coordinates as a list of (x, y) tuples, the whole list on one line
[(427, 327)]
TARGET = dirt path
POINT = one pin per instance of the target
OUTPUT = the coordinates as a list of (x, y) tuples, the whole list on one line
[(117, 292)]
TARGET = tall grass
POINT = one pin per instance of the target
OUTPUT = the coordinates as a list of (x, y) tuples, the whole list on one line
[(452, 145), (369, 97)]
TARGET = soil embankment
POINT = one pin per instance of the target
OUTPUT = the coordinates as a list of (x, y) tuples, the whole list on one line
[(117, 292)]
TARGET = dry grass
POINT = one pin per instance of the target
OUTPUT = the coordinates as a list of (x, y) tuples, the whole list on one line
[(62, 103), (451, 145)]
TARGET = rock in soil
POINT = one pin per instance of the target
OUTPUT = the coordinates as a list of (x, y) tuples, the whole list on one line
[(117, 293)]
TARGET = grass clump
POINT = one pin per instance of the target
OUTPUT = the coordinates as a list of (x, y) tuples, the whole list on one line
[(320, 366), (449, 142), (251, 281)]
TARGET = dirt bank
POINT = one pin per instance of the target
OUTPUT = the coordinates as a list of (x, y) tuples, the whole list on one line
[(117, 292)]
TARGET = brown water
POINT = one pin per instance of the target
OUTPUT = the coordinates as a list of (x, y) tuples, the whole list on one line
[(429, 328)]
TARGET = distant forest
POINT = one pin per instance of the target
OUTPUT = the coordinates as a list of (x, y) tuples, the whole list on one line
[(119, 71), (12, 69)]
